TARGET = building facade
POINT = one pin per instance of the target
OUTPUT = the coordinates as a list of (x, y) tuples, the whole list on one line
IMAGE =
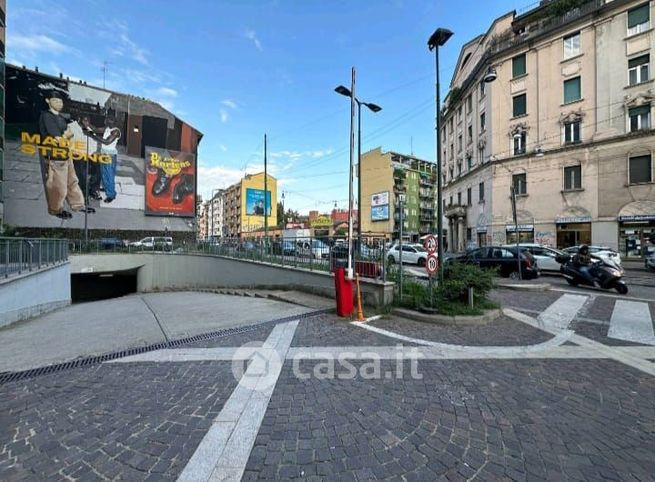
[(244, 204), (215, 215), (567, 123), (202, 210), (385, 176)]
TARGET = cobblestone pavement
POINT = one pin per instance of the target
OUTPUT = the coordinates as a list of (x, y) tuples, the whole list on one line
[(555, 420), (561, 412), (501, 332)]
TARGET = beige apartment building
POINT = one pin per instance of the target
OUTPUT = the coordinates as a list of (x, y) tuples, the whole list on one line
[(244, 203), (567, 122)]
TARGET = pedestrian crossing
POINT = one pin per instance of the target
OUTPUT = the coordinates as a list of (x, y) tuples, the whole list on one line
[(631, 321)]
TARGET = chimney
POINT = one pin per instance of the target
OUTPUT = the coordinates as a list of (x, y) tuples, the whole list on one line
[(36, 68)]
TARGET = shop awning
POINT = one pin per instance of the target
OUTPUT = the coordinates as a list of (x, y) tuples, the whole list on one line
[(637, 211)]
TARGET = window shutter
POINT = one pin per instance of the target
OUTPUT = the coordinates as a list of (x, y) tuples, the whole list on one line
[(638, 15), (644, 59), (518, 65), (571, 90)]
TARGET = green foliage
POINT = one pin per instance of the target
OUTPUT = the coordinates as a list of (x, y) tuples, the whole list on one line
[(459, 277), (454, 96), (560, 7)]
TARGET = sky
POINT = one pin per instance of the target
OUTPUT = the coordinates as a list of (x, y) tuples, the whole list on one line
[(239, 69)]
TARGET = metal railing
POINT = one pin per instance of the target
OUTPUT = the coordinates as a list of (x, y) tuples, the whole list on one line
[(19, 255), (313, 253)]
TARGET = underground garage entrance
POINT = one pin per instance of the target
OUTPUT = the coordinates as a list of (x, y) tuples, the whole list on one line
[(102, 286)]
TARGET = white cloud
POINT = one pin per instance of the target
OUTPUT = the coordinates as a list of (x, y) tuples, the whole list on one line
[(31, 44), (166, 92), (229, 103), (216, 177), (224, 115), (122, 45), (252, 35), (222, 148)]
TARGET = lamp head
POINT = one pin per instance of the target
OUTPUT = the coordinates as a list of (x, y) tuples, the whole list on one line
[(373, 107), (439, 37), (490, 76), (343, 90)]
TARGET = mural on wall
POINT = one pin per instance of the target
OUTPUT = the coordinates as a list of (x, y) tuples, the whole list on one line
[(545, 238)]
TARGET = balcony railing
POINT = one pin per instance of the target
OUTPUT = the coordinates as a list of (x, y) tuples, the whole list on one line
[(19, 255)]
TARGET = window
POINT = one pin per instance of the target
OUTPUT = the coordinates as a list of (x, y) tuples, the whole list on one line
[(469, 104), (483, 122), (450, 126), (469, 197), (520, 140), (459, 143), (639, 118), (518, 66), (481, 191), (638, 69), (482, 88), (452, 150), (459, 198), (468, 234), (519, 105), (450, 201), (481, 154), (572, 178), (641, 169), (469, 162), (572, 90), (572, 132), (470, 135), (459, 168), (519, 183), (639, 19), (572, 45)]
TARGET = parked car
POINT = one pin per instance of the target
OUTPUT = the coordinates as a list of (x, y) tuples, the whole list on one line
[(314, 248), (608, 255), (545, 256), (110, 243), (412, 254), (284, 247), (155, 243), (650, 262), (502, 258)]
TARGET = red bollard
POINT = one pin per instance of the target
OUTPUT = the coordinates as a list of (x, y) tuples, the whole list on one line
[(344, 289)]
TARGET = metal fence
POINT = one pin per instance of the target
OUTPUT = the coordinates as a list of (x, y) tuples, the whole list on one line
[(19, 255), (313, 253)]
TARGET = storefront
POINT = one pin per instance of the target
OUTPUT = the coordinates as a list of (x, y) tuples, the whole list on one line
[(573, 231), (637, 235), (482, 235), (525, 233)]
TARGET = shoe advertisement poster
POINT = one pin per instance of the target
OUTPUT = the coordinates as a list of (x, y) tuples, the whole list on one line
[(76, 154), (170, 183)]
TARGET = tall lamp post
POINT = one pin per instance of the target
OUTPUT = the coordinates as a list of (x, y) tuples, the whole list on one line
[(436, 40), (373, 108)]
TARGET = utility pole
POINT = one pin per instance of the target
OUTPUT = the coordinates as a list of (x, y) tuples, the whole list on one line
[(516, 230), (350, 273), (401, 201), (104, 69), (265, 194)]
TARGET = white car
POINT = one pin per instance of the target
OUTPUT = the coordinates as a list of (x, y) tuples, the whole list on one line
[(163, 243), (314, 248), (608, 255), (544, 255), (412, 254)]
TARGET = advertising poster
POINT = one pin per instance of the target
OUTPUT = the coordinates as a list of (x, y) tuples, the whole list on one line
[(380, 213), (380, 198), (74, 151), (255, 202), (170, 183)]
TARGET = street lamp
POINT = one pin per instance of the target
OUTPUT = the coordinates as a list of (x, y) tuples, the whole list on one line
[(373, 108), (438, 39)]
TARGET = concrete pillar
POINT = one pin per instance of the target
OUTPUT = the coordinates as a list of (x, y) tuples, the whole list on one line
[(461, 235)]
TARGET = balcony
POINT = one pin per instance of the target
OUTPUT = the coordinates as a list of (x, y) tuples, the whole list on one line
[(455, 210)]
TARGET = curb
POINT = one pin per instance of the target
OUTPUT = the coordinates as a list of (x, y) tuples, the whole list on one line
[(525, 287), (487, 317)]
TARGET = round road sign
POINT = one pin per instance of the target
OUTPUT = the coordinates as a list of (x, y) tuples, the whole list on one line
[(432, 264), (430, 244)]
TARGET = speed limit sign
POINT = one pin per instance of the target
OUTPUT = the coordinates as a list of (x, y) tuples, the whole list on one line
[(432, 264), (430, 244)]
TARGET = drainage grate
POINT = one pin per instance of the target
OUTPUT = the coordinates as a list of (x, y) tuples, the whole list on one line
[(6, 377)]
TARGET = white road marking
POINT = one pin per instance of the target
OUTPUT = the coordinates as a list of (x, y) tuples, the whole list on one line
[(598, 292), (225, 449), (560, 314), (631, 321)]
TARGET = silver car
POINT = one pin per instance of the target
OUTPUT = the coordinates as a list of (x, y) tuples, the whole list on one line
[(544, 256)]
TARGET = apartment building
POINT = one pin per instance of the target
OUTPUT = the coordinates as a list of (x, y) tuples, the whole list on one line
[(215, 215), (201, 210), (567, 122), (386, 175), (244, 204)]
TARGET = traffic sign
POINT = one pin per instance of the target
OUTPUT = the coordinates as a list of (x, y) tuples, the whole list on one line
[(430, 244), (432, 264)]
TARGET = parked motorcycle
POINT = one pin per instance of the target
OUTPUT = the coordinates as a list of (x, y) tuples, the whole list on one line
[(605, 275)]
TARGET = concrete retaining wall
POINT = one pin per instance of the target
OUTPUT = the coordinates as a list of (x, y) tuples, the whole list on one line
[(160, 271), (34, 293)]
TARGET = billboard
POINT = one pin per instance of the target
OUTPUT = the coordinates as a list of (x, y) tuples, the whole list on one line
[(380, 198), (73, 151), (255, 202), (170, 183), (380, 213)]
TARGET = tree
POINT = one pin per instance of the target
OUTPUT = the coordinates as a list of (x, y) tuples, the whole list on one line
[(280, 214)]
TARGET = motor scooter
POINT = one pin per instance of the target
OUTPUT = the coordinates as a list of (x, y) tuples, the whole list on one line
[(604, 275)]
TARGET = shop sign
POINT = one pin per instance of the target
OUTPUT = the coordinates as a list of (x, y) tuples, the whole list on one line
[(510, 228), (637, 217), (482, 229), (573, 219), (321, 221)]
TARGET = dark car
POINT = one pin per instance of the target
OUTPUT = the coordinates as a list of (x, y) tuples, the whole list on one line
[(503, 258), (285, 247), (110, 243)]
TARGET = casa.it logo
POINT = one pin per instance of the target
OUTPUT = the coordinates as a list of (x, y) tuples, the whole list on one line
[(256, 366)]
